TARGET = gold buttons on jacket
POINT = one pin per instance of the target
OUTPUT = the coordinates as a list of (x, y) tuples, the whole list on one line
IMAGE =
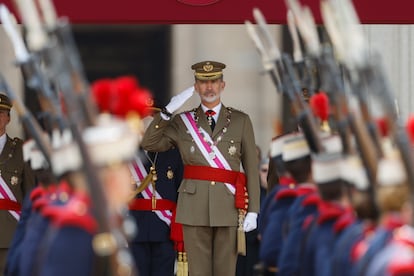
[(213, 183)]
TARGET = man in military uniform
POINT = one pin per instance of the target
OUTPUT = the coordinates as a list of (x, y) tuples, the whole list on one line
[(16, 180), (152, 211), (213, 148)]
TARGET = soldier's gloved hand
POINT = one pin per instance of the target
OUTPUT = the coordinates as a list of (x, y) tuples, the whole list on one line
[(178, 100), (250, 222)]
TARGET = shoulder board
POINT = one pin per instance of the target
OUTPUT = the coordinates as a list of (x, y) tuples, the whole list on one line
[(186, 111), (285, 193), (328, 211), (37, 192), (311, 199), (233, 110), (343, 222), (75, 213)]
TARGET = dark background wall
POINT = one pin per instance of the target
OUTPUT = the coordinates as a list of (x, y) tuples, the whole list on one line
[(143, 51)]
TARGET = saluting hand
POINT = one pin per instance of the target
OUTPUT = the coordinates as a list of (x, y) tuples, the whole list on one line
[(178, 100)]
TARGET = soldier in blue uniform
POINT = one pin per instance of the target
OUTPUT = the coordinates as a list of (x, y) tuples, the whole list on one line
[(42, 199), (152, 248), (326, 173), (305, 205), (393, 195), (352, 231), (72, 245), (296, 157)]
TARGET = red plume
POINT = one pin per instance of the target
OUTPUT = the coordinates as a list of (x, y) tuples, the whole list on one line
[(319, 104), (123, 88), (410, 128), (101, 91), (122, 95), (141, 101), (382, 126)]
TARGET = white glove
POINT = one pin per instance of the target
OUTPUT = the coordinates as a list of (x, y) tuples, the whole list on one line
[(250, 222), (178, 100)]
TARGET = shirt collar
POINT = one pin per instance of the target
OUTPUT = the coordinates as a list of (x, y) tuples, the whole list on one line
[(3, 139), (216, 109)]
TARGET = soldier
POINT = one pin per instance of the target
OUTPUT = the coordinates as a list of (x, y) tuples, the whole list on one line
[(72, 245), (214, 141), (393, 197), (16, 181), (152, 211), (333, 191), (305, 207), (296, 158), (351, 231)]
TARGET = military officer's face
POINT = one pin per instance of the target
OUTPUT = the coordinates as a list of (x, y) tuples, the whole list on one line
[(209, 91), (4, 120)]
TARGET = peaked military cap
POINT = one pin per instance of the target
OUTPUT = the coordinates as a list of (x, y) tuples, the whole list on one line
[(5, 103), (208, 70)]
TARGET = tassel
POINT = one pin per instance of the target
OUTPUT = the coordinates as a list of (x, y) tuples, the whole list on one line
[(180, 264), (241, 238), (185, 264)]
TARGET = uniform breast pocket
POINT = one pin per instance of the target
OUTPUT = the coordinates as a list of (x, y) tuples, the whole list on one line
[(188, 149), (231, 148), (187, 187), (12, 176)]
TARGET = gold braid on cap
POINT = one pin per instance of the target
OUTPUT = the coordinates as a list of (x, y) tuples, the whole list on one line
[(5, 106), (208, 74)]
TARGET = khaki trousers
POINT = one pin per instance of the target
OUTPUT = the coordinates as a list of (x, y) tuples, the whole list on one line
[(211, 251)]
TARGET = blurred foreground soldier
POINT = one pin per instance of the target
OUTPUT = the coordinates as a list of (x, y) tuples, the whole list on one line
[(393, 197), (16, 181), (153, 208), (71, 246), (213, 146)]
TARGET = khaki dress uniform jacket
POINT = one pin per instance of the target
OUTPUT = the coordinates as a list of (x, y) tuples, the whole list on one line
[(20, 179), (201, 202)]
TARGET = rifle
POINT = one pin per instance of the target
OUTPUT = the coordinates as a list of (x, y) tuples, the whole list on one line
[(31, 69), (60, 33), (283, 75), (108, 239)]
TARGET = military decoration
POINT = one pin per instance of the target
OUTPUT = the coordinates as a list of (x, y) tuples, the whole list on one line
[(14, 180), (192, 149), (170, 174), (232, 150)]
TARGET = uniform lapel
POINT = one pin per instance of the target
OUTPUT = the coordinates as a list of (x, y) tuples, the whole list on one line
[(202, 120), (6, 150), (221, 120)]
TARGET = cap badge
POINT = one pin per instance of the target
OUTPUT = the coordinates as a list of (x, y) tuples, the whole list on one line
[(208, 67)]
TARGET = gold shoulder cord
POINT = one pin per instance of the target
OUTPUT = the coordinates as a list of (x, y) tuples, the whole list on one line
[(150, 178)]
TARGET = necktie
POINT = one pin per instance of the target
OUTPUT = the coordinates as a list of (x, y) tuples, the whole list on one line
[(212, 123)]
